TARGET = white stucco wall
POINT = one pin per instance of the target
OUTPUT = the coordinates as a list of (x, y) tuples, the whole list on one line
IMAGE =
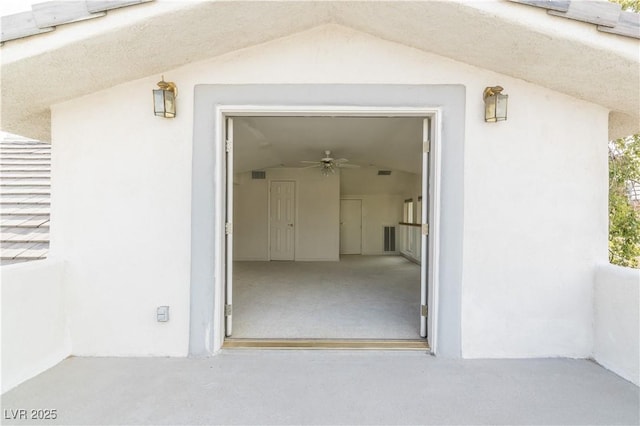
[(617, 320), (35, 330), (120, 216), (535, 224), (535, 198)]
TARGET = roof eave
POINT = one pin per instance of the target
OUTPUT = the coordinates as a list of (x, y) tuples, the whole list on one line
[(515, 40)]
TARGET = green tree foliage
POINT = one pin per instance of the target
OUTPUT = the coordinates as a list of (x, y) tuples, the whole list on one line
[(624, 217), (629, 5), (624, 168)]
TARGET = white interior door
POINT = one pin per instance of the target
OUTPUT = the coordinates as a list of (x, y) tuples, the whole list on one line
[(282, 220), (425, 227), (350, 226)]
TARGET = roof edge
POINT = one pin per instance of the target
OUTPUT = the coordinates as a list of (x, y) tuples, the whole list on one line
[(45, 17), (607, 16)]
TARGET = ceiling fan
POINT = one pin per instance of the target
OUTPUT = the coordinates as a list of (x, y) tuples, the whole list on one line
[(328, 164)]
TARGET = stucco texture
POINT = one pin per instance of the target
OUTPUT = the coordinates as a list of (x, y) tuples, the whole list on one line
[(535, 198), (617, 320), (134, 42), (35, 330)]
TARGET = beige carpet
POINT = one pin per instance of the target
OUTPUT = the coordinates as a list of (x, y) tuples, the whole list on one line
[(360, 297)]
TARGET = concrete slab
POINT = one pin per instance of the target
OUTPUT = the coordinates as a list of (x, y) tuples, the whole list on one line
[(326, 387)]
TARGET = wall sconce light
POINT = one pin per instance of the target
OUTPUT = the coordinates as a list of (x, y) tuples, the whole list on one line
[(164, 99), (495, 104)]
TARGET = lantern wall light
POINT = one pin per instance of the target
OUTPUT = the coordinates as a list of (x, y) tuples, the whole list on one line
[(164, 99), (495, 104)]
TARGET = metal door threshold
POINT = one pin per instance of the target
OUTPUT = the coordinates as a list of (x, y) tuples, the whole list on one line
[(371, 344)]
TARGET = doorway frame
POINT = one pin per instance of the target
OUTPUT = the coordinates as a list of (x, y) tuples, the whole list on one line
[(434, 114)]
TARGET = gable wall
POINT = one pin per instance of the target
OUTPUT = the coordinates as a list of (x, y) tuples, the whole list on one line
[(535, 196)]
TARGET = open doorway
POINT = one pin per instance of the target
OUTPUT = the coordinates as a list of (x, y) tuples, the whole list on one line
[(319, 244)]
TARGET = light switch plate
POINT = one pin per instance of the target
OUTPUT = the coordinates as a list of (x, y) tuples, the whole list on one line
[(162, 313)]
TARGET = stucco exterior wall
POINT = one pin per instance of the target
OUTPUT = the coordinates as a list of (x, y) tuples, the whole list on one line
[(617, 320), (535, 198), (535, 225), (35, 328)]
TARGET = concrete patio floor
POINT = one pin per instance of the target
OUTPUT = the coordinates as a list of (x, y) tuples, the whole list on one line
[(327, 387)]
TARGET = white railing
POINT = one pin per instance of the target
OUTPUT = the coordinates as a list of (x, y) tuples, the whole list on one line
[(410, 241), (617, 320)]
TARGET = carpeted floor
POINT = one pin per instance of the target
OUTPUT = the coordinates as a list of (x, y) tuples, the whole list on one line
[(360, 297)]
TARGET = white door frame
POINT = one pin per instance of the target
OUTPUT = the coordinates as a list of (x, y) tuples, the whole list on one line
[(434, 114), (228, 219)]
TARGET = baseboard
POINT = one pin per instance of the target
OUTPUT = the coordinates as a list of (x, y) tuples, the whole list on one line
[(382, 253), (251, 259), (318, 259)]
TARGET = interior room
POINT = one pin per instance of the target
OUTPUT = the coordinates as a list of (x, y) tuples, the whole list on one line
[(326, 227)]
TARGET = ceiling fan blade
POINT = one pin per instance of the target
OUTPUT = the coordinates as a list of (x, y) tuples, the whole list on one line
[(348, 166), (311, 162), (311, 167), (341, 160)]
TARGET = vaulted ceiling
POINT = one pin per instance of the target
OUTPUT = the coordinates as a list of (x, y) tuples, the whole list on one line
[(513, 39), (387, 143)]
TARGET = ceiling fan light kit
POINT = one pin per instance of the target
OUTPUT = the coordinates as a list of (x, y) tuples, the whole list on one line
[(327, 169)]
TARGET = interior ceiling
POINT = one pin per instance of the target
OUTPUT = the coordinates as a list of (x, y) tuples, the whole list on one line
[(391, 143)]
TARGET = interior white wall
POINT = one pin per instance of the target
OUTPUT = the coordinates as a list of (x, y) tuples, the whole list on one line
[(377, 211), (617, 320), (250, 218), (317, 227), (382, 200), (35, 330), (535, 198), (366, 181)]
